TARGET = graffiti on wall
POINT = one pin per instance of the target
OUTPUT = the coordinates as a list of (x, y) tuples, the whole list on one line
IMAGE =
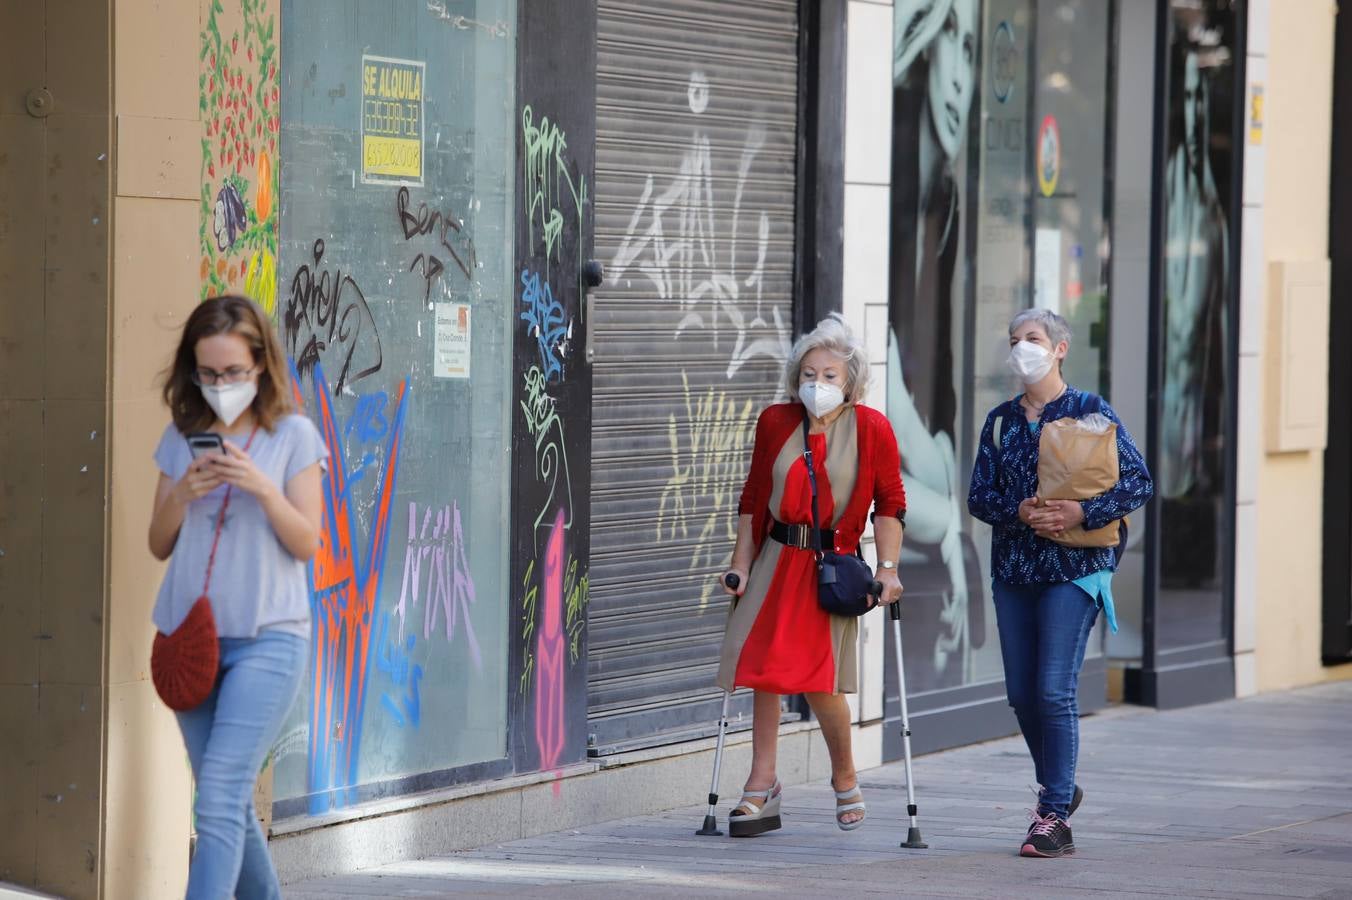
[(238, 90), (344, 590), (437, 576), (555, 583), (551, 186), (678, 240), (699, 247), (710, 445), (327, 318), (547, 322), (545, 427), (442, 241)]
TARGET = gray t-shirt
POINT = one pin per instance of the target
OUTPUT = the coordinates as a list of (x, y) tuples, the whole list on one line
[(256, 582)]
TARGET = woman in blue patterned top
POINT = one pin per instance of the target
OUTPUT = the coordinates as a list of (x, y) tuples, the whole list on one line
[(1047, 595)]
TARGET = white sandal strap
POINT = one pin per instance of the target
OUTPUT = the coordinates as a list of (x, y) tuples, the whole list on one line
[(849, 807), (765, 794), (845, 795)]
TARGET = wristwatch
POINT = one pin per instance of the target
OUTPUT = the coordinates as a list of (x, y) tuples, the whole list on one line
[(886, 564)]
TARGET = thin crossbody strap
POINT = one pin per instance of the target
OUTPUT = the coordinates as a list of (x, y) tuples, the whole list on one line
[(220, 523), (812, 481)]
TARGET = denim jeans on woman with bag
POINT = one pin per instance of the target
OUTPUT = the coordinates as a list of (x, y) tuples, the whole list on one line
[(228, 737), (1044, 629)]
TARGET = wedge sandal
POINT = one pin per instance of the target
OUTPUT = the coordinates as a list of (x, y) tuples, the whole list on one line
[(749, 819)]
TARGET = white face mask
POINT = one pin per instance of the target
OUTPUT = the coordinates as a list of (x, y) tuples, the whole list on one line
[(1031, 362), (820, 398), (228, 401)]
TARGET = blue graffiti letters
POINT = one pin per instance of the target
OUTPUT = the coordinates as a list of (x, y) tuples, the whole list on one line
[(546, 322)]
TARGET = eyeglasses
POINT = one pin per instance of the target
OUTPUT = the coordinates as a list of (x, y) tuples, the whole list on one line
[(232, 375)]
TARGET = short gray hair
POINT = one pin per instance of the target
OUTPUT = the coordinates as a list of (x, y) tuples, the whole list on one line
[(1057, 328), (832, 333)]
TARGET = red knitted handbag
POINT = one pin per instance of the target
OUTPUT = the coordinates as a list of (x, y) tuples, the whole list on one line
[(183, 665)]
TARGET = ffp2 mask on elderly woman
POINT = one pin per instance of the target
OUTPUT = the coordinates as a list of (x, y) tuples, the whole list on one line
[(1031, 362), (820, 398)]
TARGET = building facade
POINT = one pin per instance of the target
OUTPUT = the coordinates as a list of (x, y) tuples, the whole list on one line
[(537, 267)]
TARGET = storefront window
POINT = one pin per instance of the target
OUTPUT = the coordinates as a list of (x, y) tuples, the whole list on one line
[(394, 303), (997, 205), (1197, 325)]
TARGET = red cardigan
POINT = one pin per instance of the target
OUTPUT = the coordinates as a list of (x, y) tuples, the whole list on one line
[(878, 482)]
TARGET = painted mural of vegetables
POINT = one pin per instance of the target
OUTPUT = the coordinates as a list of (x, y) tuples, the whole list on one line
[(260, 282), (239, 87), (263, 194)]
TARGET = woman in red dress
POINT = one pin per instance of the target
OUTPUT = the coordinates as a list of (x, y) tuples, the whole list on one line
[(778, 640)]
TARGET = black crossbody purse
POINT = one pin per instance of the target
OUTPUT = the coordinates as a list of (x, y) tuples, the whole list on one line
[(843, 581)]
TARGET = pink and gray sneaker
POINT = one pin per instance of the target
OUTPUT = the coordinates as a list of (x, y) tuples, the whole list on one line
[(1048, 838)]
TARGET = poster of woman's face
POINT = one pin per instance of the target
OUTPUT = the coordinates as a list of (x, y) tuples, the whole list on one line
[(1198, 299), (935, 72), (952, 75)]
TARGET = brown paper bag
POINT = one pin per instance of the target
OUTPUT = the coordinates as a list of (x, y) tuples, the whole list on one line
[(1077, 460)]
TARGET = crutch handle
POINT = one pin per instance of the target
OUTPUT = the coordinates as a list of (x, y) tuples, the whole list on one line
[(894, 611), (732, 580)]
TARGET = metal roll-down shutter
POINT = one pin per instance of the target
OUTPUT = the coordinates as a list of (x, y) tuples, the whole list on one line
[(697, 106)]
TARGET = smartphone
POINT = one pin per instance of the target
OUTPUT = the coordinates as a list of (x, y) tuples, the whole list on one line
[(204, 443)]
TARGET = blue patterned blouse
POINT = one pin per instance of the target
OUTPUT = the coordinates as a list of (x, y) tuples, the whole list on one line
[(1005, 477)]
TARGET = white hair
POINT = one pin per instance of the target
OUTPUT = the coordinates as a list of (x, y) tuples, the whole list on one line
[(1057, 328), (834, 334)]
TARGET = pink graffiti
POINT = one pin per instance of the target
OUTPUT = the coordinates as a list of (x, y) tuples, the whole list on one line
[(550, 653), (440, 542)]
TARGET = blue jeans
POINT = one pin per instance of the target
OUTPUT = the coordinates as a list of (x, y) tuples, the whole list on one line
[(228, 738), (1043, 632)]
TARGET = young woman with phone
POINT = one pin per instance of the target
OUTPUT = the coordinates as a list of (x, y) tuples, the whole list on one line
[(237, 518)]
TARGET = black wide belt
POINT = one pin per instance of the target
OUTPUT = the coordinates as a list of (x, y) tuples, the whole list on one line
[(800, 536)]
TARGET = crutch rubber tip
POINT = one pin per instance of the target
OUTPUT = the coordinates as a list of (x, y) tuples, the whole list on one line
[(710, 828), (913, 841)]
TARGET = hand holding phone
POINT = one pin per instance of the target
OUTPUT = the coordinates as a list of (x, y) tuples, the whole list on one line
[(204, 443), (201, 477)]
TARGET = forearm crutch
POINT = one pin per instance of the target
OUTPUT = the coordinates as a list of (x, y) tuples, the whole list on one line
[(710, 828), (913, 840)]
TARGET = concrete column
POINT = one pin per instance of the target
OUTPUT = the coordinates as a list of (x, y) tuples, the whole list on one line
[(1252, 305), (1287, 191), (868, 155), (54, 262), (158, 157)]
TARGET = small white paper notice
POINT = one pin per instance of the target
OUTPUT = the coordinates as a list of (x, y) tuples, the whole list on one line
[(1047, 269), (452, 341)]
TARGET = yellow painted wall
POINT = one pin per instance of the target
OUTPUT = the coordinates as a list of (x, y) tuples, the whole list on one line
[(1298, 134)]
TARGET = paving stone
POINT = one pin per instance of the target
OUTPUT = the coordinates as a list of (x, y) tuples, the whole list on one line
[(1248, 798)]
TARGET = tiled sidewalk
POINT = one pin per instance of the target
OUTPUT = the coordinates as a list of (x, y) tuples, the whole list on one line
[(1248, 798)]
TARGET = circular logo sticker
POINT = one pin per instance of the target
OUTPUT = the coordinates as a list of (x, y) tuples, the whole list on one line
[(1048, 156)]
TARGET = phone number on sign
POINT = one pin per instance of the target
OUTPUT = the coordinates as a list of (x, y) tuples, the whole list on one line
[(392, 156)]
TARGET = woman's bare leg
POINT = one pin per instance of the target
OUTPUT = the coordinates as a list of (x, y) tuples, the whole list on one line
[(833, 713), (764, 741)]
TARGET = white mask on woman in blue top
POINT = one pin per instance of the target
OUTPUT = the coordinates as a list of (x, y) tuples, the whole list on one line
[(228, 401), (1031, 362)]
